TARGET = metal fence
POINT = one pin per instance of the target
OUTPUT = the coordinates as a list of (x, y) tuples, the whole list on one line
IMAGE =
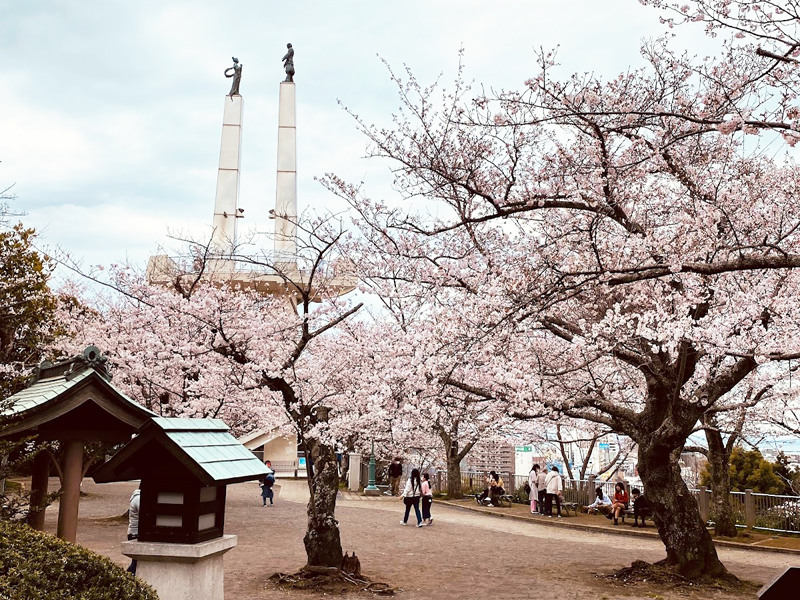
[(765, 512), (773, 513)]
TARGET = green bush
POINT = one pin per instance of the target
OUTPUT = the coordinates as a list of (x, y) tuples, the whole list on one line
[(38, 566)]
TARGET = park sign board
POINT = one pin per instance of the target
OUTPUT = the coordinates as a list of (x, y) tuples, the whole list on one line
[(523, 449)]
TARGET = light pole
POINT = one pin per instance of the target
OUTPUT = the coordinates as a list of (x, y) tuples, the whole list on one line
[(372, 489)]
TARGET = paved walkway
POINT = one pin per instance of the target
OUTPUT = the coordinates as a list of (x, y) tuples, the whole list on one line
[(463, 555)]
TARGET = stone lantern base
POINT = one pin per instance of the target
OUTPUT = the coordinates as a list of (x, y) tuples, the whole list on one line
[(182, 571)]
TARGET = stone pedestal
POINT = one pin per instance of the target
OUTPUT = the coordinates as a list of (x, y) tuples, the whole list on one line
[(182, 571), (286, 180), (226, 204), (354, 473)]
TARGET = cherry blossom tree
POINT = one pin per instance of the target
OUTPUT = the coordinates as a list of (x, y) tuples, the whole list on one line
[(619, 254), (427, 336), (204, 344)]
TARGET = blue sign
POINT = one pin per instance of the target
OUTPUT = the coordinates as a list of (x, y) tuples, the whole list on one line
[(301, 462)]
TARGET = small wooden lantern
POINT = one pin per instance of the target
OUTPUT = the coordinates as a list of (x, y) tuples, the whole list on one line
[(184, 466)]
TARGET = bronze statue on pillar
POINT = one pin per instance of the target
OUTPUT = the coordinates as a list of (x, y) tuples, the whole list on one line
[(237, 76), (288, 64)]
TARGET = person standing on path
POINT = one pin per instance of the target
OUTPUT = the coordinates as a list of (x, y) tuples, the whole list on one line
[(395, 473), (266, 487), (533, 494), (411, 497), (133, 524), (554, 489), (542, 488), (427, 499)]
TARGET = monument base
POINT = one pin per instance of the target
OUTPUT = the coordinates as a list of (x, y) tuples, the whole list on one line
[(182, 571)]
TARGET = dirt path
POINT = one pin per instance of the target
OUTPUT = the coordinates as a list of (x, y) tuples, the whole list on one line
[(463, 555)]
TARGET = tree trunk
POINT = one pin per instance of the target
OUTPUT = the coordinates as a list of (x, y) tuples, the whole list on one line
[(322, 542), (719, 467), (454, 476), (690, 549)]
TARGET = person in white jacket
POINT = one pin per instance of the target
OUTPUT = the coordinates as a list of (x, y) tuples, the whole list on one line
[(133, 524), (554, 488), (411, 496), (542, 488)]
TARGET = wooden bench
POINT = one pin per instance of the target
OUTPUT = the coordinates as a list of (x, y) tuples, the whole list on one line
[(629, 513), (505, 499)]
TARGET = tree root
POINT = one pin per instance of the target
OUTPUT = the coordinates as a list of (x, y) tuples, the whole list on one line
[(666, 577), (330, 580)]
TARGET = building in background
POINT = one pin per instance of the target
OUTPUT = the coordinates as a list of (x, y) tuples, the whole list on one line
[(279, 448), (491, 456)]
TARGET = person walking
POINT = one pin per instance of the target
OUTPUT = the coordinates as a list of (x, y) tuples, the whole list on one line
[(427, 499), (533, 490), (266, 487), (541, 488), (554, 488), (133, 524), (411, 497), (395, 473)]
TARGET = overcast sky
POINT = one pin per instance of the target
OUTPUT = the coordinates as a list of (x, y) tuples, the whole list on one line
[(111, 111)]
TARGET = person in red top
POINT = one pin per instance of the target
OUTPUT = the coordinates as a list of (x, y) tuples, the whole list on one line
[(620, 502)]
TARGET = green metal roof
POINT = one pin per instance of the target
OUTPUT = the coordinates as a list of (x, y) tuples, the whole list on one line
[(42, 391), (174, 423), (45, 390), (209, 443), (204, 446)]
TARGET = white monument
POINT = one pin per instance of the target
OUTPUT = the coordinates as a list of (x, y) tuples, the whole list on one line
[(226, 204), (286, 181), (223, 269)]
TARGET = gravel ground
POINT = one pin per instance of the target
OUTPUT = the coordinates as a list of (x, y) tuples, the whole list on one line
[(463, 555)]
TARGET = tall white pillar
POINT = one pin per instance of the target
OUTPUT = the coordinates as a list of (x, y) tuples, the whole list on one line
[(286, 181), (227, 201)]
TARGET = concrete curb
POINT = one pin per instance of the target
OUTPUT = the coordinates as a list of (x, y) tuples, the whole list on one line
[(554, 522)]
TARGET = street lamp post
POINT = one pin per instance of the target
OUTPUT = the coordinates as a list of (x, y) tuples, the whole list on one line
[(372, 489)]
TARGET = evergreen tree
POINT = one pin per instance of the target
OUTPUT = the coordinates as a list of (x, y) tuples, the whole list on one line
[(27, 307)]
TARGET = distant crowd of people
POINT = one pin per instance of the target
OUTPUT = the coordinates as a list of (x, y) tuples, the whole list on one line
[(545, 489)]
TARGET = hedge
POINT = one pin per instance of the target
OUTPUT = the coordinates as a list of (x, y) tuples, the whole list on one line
[(38, 566)]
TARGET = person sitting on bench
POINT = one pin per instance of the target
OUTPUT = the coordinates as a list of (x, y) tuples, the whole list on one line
[(641, 508), (494, 490), (620, 503), (601, 504)]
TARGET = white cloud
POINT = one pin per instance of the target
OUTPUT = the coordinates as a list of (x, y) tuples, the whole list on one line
[(110, 114)]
